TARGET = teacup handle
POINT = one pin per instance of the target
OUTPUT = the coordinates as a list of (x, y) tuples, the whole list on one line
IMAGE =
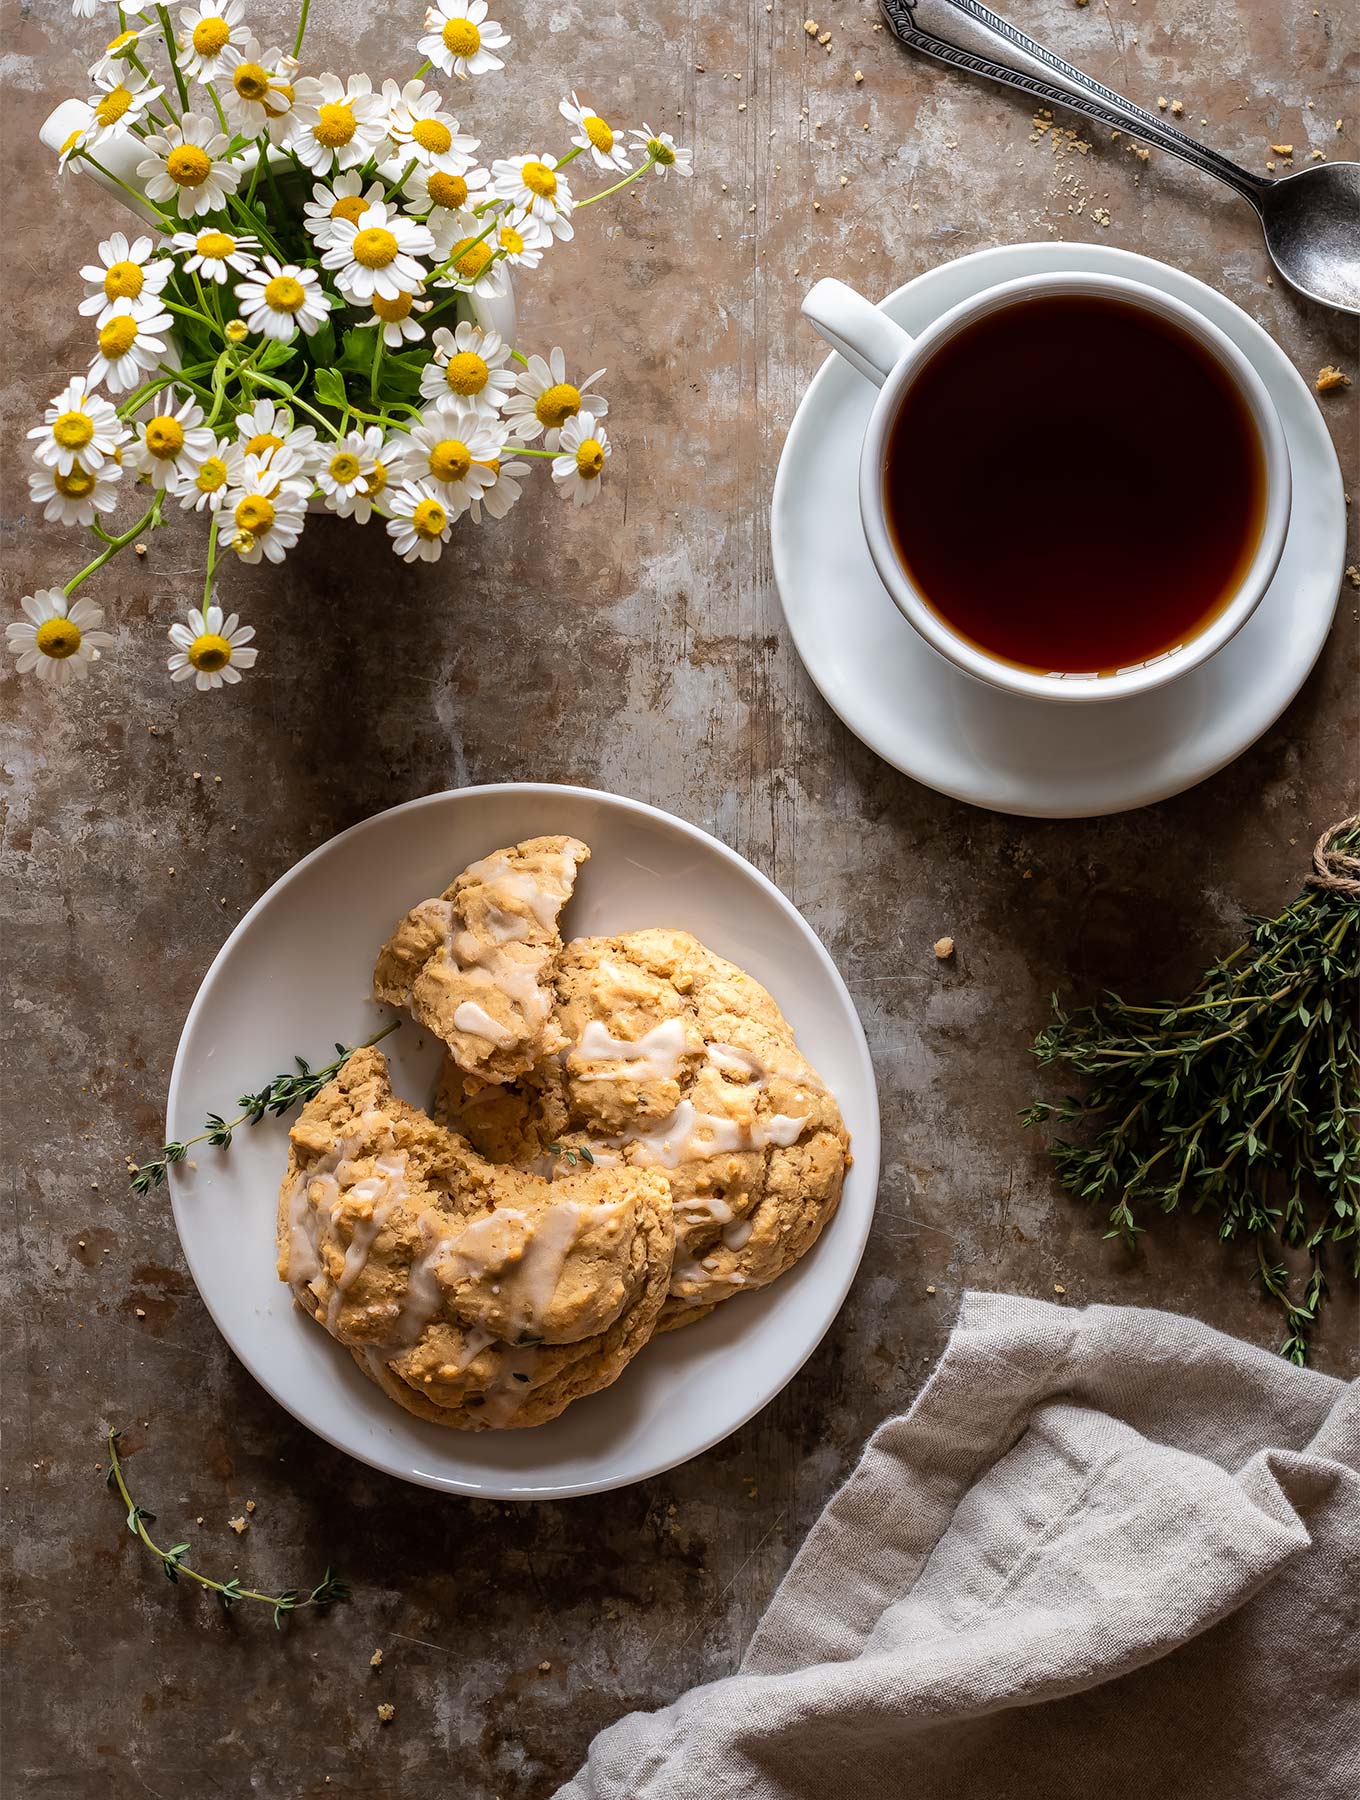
[(864, 336)]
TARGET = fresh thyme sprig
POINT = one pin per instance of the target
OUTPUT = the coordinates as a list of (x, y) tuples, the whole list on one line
[(283, 1092), (1242, 1101), (571, 1155), (329, 1591)]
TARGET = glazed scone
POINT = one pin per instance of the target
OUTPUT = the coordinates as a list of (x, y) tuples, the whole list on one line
[(678, 1060), (476, 1295), (475, 965)]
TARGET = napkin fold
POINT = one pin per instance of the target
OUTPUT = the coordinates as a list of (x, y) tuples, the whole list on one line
[(1107, 1553)]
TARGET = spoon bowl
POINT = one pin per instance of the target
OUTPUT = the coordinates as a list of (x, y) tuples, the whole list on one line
[(1311, 220)]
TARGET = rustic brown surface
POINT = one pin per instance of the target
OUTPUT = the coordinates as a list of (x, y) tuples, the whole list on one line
[(638, 647)]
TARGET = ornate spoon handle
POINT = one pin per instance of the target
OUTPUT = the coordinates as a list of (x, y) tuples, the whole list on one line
[(968, 23)]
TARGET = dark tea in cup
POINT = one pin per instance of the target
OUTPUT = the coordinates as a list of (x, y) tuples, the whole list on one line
[(1074, 484)]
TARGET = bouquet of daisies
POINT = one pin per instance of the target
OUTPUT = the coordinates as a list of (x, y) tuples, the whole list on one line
[(321, 317)]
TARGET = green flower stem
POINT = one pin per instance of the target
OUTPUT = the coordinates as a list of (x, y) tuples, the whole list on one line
[(217, 108), (448, 263), (149, 520), (191, 312), (134, 400), (375, 371), (524, 450), (221, 369), (131, 192), (424, 69), (302, 27), (256, 377), (212, 561), (604, 193), (163, 13), (571, 156)]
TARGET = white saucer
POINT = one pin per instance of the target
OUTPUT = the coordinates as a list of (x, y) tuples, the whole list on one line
[(295, 975), (1003, 751)]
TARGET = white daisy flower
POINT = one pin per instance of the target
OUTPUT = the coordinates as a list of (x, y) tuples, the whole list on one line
[(532, 183), (335, 124), (256, 89), (209, 31), (592, 134), (463, 241), (418, 126), (544, 399), (448, 453), (114, 61), (376, 253), (522, 243), (268, 429), (419, 526), (507, 484), (267, 506), (208, 484), (281, 299), (131, 341), (396, 319), (78, 427), (434, 189), (355, 500), (125, 271), (210, 649), (188, 167), (469, 365), (216, 254), (60, 638), (85, 9), (666, 154), (346, 198), (461, 38), (75, 497), (119, 102), (172, 444), (584, 447), (74, 142)]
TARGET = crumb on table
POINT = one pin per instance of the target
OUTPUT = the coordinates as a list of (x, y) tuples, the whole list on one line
[(1330, 378)]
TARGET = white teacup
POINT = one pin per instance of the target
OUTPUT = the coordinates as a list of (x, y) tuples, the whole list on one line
[(881, 351)]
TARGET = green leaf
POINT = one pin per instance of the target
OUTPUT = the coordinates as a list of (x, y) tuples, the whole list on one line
[(329, 386)]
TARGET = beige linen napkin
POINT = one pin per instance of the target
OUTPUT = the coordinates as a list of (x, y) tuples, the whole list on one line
[(1106, 1553)]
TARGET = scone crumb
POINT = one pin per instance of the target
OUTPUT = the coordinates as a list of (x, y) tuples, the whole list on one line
[(1353, 574), (1283, 149), (1058, 1288), (1329, 377), (930, 1290), (944, 948), (375, 1661), (386, 1711), (240, 1526), (250, 1506), (544, 1667)]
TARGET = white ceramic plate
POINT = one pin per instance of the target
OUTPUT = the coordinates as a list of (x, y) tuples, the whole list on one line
[(294, 977), (1003, 751)]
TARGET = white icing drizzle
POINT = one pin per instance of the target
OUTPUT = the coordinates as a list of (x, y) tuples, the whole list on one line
[(381, 1192), (736, 1235), (471, 1019), (305, 1218), (529, 1283), (689, 1136), (704, 1207), (658, 1051), (733, 1061)]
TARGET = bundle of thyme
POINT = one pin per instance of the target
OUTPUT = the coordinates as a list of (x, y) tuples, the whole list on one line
[(1241, 1101), (329, 1591), (293, 1088)]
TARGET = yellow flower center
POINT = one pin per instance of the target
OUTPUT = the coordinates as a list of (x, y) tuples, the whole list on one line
[(210, 652), (351, 207), (335, 125), (393, 310), (431, 135), (188, 165), (493, 463), (344, 466), (211, 476), (429, 518), (262, 443), (58, 638), (461, 37), (467, 373), (555, 405), (76, 485), (511, 240), (450, 461), (123, 281), (589, 459), (214, 244), (118, 336), (284, 294), (114, 104), (165, 437), (539, 179), (470, 258), (376, 480), (114, 45), (447, 190), (72, 140), (211, 35), (375, 248), (255, 514), (250, 80), (237, 330), (660, 152), (598, 132), (73, 430)]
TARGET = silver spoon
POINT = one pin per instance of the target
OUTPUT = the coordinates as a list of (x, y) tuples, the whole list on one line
[(1311, 219)]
